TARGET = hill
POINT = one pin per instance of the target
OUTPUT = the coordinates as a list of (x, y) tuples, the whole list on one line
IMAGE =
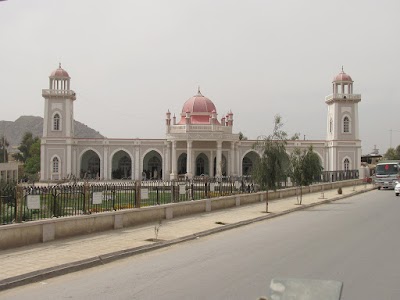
[(14, 131)]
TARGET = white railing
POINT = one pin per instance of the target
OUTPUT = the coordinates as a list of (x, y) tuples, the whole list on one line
[(343, 96), (58, 93), (200, 128)]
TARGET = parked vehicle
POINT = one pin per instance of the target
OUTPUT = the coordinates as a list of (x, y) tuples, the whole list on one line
[(387, 174), (397, 188)]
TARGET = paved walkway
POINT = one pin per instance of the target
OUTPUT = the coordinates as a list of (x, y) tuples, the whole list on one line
[(36, 262)]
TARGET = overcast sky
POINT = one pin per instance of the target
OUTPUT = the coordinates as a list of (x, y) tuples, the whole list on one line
[(130, 61)]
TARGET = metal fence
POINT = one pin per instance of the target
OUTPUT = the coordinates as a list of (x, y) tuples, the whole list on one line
[(8, 207), (21, 204)]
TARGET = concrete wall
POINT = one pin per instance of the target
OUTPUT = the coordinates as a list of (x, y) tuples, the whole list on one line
[(21, 234)]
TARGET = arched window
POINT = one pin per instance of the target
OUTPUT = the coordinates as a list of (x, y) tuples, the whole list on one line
[(56, 165), (330, 125), (346, 164), (56, 122), (346, 124)]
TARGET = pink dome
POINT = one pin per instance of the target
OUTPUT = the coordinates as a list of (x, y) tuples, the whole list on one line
[(342, 76), (60, 73), (200, 109)]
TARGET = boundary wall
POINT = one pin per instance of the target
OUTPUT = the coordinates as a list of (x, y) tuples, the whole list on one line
[(32, 232)]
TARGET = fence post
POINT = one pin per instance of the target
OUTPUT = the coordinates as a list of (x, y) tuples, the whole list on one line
[(138, 198), (19, 199), (86, 198)]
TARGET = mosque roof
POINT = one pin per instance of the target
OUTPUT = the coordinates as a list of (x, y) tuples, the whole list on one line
[(200, 109)]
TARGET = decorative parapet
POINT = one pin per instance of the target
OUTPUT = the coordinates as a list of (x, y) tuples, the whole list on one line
[(343, 97), (199, 128), (59, 93)]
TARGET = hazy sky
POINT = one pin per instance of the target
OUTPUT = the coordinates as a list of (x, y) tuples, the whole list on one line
[(130, 61)]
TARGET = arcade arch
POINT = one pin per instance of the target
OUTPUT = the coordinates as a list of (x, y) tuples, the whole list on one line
[(90, 165), (121, 165), (202, 165), (152, 165), (248, 162)]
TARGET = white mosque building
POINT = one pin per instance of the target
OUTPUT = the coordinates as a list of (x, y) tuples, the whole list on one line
[(196, 143)]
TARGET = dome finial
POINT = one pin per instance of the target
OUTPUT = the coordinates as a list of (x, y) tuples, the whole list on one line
[(59, 65), (342, 69), (198, 90)]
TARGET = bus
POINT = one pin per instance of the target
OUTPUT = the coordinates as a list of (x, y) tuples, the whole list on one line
[(387, 173)]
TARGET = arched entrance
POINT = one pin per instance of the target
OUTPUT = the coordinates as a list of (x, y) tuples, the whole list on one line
[(90, 165), (223, 165), (182, 160), (121, 166), (202, 165), (152, 165), (248, 162)]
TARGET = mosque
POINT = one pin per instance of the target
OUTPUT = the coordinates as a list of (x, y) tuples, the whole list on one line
[(196, 143)]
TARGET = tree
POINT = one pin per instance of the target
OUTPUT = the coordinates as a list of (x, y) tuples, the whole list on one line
[(242, 137), (392, 154), (32, 164), (27, 141), (3, 149), (305, 167), (29, 155), (398, 151), (273, 165)]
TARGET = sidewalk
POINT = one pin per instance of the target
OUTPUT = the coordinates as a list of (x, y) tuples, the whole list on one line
[(40, 261)]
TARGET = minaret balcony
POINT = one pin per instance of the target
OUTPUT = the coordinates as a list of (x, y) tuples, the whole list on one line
[(343, 97), (48, 93)]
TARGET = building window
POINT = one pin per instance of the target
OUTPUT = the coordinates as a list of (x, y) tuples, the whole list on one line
[(330, 126), (346, 124), (56, 165), (56, 122), (346, 164)]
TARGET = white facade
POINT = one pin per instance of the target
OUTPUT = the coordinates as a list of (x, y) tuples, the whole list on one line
[(9, 172), (197, 144)]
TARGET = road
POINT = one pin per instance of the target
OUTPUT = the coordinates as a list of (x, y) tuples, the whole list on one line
[(353, 240)]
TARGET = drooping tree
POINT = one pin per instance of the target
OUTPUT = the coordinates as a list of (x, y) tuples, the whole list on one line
[(305, 167), (272, 168)]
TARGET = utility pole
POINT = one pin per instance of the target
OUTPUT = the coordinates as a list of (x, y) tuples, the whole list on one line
[(391, 132)]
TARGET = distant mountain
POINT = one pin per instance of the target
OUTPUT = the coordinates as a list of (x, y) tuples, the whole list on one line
[(14, 131)]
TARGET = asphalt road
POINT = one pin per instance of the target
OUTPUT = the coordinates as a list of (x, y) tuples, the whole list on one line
[(353, 240)]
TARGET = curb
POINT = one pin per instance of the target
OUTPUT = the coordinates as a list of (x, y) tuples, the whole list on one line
[(51, 272)]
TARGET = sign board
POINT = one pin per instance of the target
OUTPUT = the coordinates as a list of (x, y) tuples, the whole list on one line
[(182, 189), (97, 197), (212, 187), (144, 193), (33, 201), (237, 184)]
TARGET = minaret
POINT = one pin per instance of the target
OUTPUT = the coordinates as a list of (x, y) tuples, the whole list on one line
[(58, 128), (342, 109), (58, 119), (344, 145)]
